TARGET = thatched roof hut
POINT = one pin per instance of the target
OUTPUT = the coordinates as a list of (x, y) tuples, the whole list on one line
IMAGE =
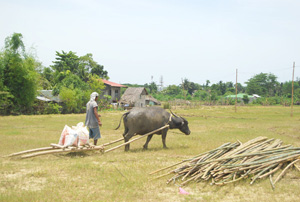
[(134, 97)]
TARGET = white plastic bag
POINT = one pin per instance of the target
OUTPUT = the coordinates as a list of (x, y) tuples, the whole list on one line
[(83, 134), (71, 139), (63, 135)]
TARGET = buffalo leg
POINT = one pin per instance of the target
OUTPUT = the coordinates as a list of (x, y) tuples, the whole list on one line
[(126, 139), (147, 141), (163, 137)]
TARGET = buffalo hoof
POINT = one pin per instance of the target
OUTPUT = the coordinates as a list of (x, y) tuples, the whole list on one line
[(166, 147), (127, 148)]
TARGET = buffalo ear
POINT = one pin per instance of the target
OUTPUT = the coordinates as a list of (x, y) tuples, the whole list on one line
[(178, 121)]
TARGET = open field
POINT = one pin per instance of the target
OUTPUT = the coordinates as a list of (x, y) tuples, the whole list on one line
[(124, 176)]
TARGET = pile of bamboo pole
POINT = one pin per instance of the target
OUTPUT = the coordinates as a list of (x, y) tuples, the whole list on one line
[(256, 159)]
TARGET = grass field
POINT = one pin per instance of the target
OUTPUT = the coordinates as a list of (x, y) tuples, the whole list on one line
[(124, 176)]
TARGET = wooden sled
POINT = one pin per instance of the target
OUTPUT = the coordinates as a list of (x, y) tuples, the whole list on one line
[(56, 148)]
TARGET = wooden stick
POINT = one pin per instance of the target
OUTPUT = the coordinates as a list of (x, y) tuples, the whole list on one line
[(281, 174), (163, 175), (166, 126), (57, 146), (166, 167), (30, 151), (73, 149), (272, 171), (271, 181), (297, 167), (112, 142)]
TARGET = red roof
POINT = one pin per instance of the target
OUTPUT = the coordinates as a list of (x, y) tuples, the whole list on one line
[(113, 84)]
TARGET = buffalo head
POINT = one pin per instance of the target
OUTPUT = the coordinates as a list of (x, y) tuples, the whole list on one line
[(181, 123)]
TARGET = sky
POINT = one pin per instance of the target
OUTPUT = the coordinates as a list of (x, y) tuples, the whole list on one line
[(140, 41)]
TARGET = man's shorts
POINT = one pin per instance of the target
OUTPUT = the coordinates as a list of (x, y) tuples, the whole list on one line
[(94, 133)]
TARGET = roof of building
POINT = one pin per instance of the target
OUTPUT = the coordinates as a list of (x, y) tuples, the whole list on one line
[(240, 95), (46, 95), (131, 95), (152, 99), (110, 83)]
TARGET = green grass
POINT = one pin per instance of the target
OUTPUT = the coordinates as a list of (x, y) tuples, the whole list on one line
[(123, 176)]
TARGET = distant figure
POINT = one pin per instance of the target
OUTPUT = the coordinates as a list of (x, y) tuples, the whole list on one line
[(92, 120)]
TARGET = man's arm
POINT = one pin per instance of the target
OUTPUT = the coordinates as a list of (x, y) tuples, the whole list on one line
[(97, 116)]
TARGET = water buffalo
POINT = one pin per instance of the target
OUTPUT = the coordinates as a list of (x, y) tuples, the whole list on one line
[(144, 120)]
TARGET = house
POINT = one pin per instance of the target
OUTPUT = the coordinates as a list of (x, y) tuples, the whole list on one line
[(46, 95), (112, 89), (241, 95), (134, 97), (152, 101)]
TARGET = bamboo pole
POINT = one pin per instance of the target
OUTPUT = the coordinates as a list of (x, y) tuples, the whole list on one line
[(112, 142), (31, 151), (57, 146), (72, 149), (150, 133), (282, 173)]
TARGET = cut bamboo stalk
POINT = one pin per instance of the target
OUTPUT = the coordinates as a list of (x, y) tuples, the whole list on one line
[(297, 167), (150, 133), (61, 151), (261, 172), (271, 181), (272, 171), (282, 173), (166, 167), (30, 151), (57, 146), (112, 142), (163, 175)]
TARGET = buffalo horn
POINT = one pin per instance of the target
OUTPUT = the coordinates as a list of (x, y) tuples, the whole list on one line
[(174, 114)]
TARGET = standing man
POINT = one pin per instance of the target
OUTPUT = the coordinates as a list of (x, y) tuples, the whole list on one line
[(92, 120)]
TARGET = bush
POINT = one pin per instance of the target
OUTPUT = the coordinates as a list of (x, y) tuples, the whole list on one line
[(53, 108), (246, 99), (166, 105)]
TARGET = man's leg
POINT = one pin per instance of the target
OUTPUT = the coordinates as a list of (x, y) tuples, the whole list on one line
[(97, 135)]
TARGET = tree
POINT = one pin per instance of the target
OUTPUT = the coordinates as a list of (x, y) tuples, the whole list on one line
[(287, 88), (263, 84), (66, 61), (152, 87), (172, 90), (190, 87), (219, 88), (69, 80), (88, 65), (95, 83), (19, 71)]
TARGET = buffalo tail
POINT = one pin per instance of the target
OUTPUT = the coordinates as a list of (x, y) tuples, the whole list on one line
[(125, 114)]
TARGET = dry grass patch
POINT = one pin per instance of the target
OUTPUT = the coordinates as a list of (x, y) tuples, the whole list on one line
[(124, 176)]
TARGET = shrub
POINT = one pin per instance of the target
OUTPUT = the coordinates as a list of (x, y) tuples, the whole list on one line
[(246, 99), (53, 108), (166, 105)]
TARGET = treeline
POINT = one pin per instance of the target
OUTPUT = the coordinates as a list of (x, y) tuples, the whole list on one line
[(73, 77), (265, 85)]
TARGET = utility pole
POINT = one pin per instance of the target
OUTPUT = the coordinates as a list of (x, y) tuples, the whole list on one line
[(183, 90), (236, 89), (293, 90)]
